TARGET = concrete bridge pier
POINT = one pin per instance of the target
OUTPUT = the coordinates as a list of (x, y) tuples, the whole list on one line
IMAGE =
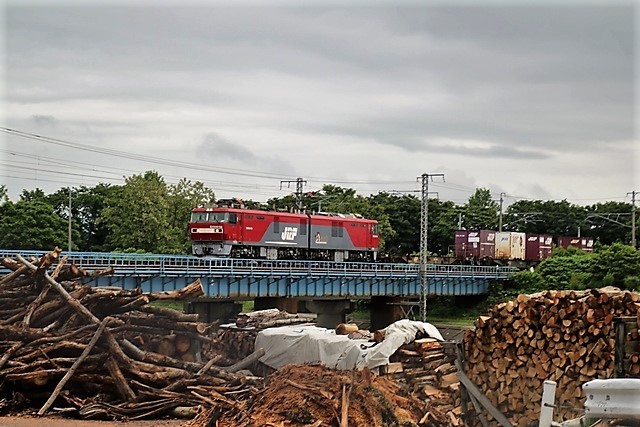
[(210, 311), (330, 312), (386, 310)]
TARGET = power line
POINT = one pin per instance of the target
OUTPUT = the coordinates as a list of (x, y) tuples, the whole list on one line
[(176, 163), (139, 157)]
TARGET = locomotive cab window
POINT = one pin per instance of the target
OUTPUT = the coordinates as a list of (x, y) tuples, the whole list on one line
[(303, 227), (216, 217), (276, 225), (199, 217), (233, 218), (374, 229)]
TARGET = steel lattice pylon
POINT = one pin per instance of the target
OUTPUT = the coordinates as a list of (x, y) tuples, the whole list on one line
[(424, 227)]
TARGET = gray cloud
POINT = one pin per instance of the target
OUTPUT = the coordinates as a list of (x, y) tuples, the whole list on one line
[(222, 151), (217, 147), (44, 120), (414, 83)]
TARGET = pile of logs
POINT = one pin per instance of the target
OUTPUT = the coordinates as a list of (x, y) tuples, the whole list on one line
[(238, 340), (427, 366), (564, 336), (103, 352)]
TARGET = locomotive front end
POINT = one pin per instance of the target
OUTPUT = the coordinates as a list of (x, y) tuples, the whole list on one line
[(207, 232)]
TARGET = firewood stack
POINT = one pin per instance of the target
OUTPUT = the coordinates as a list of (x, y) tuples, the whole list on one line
[(102, 353), (429, 369), (564, 336)]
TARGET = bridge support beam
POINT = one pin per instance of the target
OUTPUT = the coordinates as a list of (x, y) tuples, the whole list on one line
[(210, 311), (386, 310), (290, 305), (330, 312)]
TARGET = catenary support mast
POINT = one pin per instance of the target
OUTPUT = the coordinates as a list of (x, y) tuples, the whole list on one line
[(424, 226)]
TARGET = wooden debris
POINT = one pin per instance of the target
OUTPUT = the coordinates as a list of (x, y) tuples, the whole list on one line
[(61, 340)]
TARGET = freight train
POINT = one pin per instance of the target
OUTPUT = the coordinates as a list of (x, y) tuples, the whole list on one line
[(496, 247), (228, 229)]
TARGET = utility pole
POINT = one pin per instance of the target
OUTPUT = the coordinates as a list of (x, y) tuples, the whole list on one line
[(501, 200), (633, 218), (424, 225), (69, 218), (300, 183)]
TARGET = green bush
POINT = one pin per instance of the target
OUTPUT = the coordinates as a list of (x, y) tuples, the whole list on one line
[(613, 264), (632, 283), (580, 281), (608, 280)]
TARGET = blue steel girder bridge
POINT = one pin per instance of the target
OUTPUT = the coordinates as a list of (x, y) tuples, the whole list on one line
[(237, 279)]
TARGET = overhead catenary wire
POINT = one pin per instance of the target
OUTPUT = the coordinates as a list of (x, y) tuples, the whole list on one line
[(168, 162), (232, 186)]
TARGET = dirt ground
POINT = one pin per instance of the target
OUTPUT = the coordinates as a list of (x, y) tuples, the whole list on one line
[(24, 421)]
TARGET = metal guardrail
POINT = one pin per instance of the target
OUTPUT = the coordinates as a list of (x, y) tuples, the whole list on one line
[(176, 265)]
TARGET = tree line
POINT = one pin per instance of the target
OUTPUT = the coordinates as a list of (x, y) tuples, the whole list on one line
[(147, 214)]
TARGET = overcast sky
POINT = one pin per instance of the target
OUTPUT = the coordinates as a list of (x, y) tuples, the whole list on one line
[(535, 100)]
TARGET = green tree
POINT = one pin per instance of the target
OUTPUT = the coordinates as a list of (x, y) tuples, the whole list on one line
[(182, 198), (31, 224), (4, 194), (443, 221), (545, 217), (139, 216), (481, 211), (32, 195), (403, 213), (608, 222), (618, 262), (86, 207)]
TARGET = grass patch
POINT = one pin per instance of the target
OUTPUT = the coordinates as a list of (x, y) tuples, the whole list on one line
[(247, 306), (176, 305), (451, 321)]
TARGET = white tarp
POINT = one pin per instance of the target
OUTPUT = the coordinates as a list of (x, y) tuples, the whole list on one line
[(311, 344)]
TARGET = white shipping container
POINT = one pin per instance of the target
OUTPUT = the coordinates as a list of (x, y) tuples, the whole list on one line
[(518, 245), (503, 244)]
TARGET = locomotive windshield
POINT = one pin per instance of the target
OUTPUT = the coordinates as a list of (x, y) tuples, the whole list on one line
[(210, 217)]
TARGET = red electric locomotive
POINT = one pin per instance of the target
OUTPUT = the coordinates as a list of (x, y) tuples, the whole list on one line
[(234, 231)]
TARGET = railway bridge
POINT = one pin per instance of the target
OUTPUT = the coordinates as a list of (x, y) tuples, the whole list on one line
[(325, 287)]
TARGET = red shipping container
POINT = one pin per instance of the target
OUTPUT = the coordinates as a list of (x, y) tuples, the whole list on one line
[(586, 244), (460, 243), (538, 247), (487, 244), (473, 244), (566, 241)]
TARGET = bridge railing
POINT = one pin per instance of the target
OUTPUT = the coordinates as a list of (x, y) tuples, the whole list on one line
[(175, 265)]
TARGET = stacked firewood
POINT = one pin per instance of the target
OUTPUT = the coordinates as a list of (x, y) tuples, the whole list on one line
[(564, 336), (428, 367), (103, 352), (237, 341)]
